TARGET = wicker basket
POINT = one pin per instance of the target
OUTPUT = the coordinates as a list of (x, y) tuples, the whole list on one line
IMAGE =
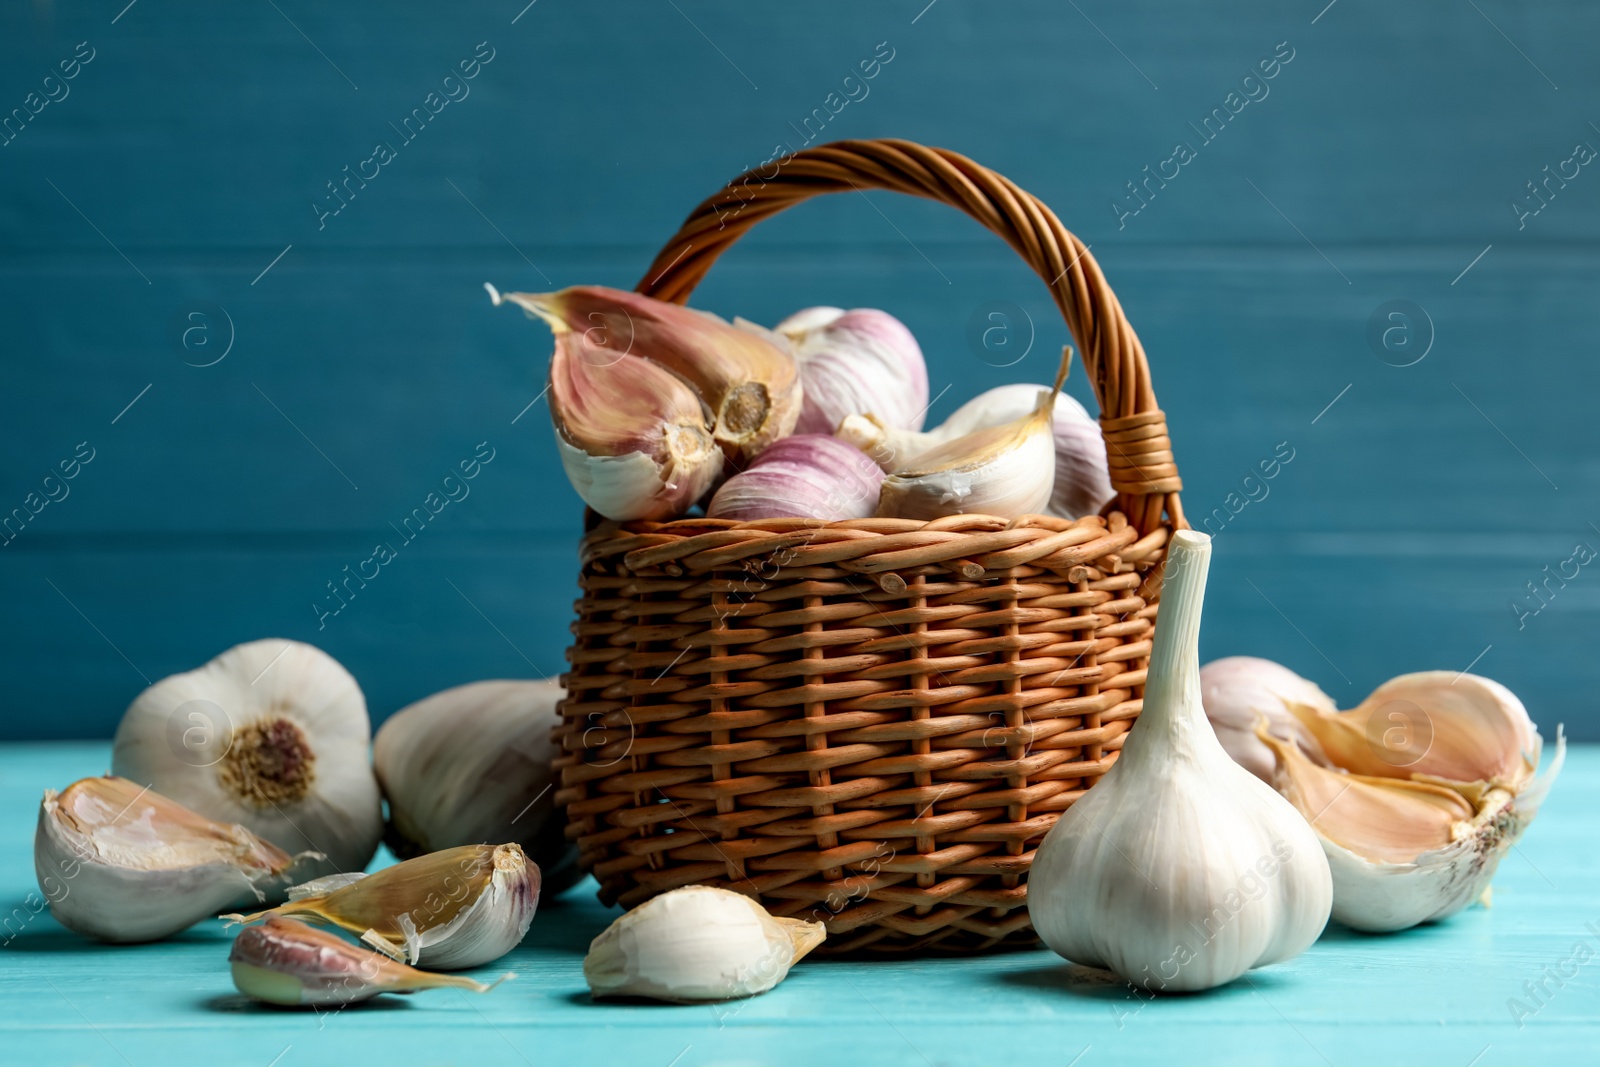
[(870, 723)]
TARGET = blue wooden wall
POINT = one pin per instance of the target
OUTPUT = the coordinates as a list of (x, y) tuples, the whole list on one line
[(168, 206)]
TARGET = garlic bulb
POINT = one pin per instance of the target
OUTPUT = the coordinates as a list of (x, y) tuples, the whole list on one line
[(697, 943), (473, 764), (860, 360), (809, 476), (121, 863), (1179, 870), (743, 373), (1082, 481), (634, 439), (1006, 470), (272, 735), (1239, 690), (462, 907), (286, 962)]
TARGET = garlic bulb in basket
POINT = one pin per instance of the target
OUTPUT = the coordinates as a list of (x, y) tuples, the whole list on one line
[(1239, 690), (272, 735), (1179, 870), (121, 863), (859, 360), (473, 764), (1082, 481), (807, 476)]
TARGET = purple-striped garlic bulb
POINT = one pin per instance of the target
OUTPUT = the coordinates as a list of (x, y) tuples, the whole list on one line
[(859, 360), (807, 476)]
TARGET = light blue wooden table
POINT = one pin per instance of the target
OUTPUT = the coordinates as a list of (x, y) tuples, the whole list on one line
[(1436, 995)]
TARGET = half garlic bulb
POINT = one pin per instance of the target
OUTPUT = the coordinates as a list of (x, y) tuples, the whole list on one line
[(1238, 691), (121, 863), (272, 735), (473, 764), (697, 943)]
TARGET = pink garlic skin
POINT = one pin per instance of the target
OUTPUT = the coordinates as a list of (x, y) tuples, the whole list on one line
[(853, 361), (806, 476), (1238, 691)]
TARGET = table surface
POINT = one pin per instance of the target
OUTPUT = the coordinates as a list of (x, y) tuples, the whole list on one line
[(1440, 994)]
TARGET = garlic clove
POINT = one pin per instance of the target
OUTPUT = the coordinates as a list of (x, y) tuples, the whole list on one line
[(852, 361), (288, 963), (697, 943), (462, 907), (1239, 690), (749, 382), (122, 863), (272, 735), (810, 476)]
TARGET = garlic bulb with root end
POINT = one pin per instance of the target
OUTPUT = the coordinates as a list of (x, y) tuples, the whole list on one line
[(122, 863), (1239, 690), (809, 476), (272, 735), (1082, 479), (697, 943), (1179, 870), (290, 964), (461, 907), (474, 764), (744, 373), (859, 360)]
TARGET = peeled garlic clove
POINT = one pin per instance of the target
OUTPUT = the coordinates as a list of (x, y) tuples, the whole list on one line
[(462, 907), (1006, 470), (473, 764), (119, 862), (860, 360), (697, 943), (286, 962), (1240, 690), (1433, 725), (749, 381), (1082, 481), (807, 476), (1179, 870), (272, 735)]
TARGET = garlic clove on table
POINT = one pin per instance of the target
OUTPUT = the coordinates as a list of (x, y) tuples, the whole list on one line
[(272, 735), (859, 360), (697, 943), (1237, 691), (808, 476), (122, 863)]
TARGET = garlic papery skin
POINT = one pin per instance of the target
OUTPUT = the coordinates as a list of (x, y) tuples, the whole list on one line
[(288, 963), (858, 360), (807, 476), (1179, 870), (1240, 690), (744, 373), (119, 862), (1082, 479), (272, 735), (697, 943), (462, 907), (473, 764)]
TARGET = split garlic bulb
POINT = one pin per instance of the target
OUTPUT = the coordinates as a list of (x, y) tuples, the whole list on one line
[(1082, 480), (859, 360), (473, 764), (121, 863), (806, 476), (1179, 870), (1239, 690), (697, 943), (272, 735)]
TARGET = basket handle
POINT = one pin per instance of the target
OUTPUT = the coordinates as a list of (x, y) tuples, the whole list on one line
[(1138, 448)]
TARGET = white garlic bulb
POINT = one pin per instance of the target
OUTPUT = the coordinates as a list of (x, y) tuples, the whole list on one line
[(1179, 870), (1082, 479), (473, 764), (121, 863), (697, 943), (859, 360), (1240, 690), (272, 735), (806, 476)]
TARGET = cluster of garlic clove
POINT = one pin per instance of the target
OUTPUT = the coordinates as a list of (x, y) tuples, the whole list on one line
[(858, 360), (1238, 691), (806, 476)]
